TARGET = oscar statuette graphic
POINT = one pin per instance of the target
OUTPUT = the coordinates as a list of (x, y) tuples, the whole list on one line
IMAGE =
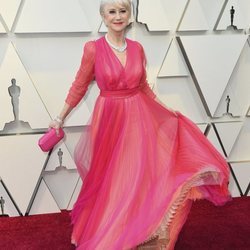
[(228, 113), (2, 202), (60, 155), (60, 167), (232, 14), (14, 92), (16, 126)]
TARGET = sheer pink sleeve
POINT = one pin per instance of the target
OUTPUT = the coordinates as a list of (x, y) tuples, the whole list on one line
[(84, 75), (144, 83)]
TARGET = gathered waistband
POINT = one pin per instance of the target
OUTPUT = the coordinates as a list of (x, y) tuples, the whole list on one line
[(120, 92)]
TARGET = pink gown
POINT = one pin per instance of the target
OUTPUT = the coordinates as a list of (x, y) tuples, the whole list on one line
[(141, 164)]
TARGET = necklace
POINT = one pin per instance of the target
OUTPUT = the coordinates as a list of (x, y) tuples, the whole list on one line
[(117, 48)]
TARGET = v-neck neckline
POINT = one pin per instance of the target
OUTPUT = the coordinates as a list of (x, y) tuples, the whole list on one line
[(117, 58)]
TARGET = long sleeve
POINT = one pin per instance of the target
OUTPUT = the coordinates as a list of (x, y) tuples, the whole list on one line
[(84, 75), (144, 83)]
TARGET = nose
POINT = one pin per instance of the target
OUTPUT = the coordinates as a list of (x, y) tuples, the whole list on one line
[(118, 15)]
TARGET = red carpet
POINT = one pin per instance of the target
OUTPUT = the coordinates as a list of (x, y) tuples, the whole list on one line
[(207, 228), (217, 228), (39, 232)]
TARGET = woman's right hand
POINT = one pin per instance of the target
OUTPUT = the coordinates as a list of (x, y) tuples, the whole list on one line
[(57, 123)]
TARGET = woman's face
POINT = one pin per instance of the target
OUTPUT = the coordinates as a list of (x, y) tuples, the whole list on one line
[(116, 17)]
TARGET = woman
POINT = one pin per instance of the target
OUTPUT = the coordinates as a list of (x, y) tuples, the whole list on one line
[(141, 164)]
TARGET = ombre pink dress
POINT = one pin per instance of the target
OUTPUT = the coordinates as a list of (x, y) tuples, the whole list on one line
[(141, 163)]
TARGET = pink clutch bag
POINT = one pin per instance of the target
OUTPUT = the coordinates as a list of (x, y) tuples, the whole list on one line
[(50, 139)]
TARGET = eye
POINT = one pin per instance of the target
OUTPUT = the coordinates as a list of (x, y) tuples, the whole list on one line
[(123, 11), (112, 12)]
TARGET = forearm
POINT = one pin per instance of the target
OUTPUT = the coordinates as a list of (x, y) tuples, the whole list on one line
[(65, 111)]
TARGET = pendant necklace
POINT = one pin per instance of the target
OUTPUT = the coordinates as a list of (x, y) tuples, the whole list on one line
[(117, 48)]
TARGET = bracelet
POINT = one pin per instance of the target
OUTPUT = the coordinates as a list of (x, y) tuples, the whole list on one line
[(59, 120)]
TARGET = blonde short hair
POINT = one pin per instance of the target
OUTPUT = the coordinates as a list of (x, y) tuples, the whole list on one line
[(125, 3)]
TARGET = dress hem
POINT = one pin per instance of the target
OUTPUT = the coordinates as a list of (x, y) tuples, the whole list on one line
[(182, 195)]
